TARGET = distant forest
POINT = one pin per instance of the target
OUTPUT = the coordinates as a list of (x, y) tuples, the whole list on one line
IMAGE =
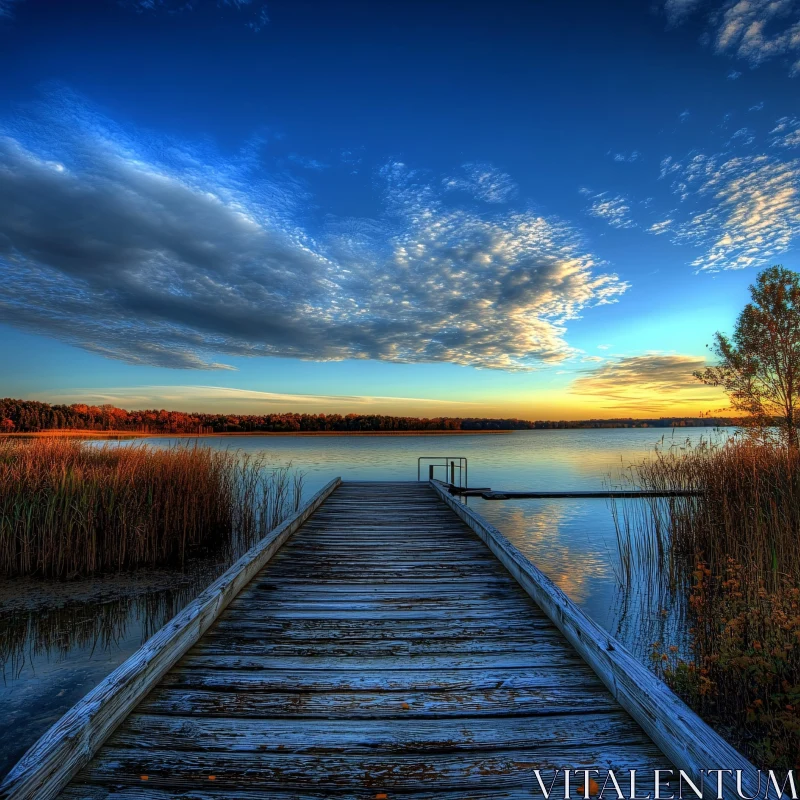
[(25, 416)]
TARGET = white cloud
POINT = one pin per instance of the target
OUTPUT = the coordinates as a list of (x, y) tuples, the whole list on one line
[(733, 75), (757, 106), (754, 31), (744, 136), (148, 396), (484, 182), (658, 228), (170, 255), (786, 132), (684, 116), (752, 209), (628, 158), (614, 209), (759, 30)]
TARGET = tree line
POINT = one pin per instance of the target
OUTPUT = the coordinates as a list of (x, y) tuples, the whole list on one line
[(27, 416)]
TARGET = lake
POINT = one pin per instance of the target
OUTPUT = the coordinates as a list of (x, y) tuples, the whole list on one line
[(57, 641)]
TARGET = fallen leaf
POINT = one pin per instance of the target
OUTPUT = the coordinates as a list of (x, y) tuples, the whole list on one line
[(593, 788)]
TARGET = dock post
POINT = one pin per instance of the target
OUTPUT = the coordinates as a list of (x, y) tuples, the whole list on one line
[(452, 473), (430, 471)]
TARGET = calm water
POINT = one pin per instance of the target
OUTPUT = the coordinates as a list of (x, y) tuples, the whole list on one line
[(52, 656)]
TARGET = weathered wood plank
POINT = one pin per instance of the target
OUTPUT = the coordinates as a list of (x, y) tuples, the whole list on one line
[(47, 767), (407, 680), (588, 697), (332, 649), (247, 629), (324, 628), (268, 612), (397, 736), (381, 604), (269, 593), (465, 771), (200, 658), (144, 791)]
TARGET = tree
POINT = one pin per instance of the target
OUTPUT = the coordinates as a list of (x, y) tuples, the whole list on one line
[(759, 366)]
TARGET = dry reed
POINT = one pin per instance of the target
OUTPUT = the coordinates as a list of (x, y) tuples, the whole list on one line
[(68, 508), (731, 557), (748, 510)]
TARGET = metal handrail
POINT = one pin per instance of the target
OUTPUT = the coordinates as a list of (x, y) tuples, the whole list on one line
[(450, 464)]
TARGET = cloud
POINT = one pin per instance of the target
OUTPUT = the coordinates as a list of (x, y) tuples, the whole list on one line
[(352, 158), (733, 75), (757, 106), (307, 163), (648, 382), (684, 116), (628, 158), (195, 397), (7, 8), (759, 30), (754, 31), (614, 209), (786, 132), (679, 10), (484, 182), (744, 136), (752, 211), (157, 252), (658, 228)]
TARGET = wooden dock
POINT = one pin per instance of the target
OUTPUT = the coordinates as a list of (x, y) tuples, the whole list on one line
[(386, 643)]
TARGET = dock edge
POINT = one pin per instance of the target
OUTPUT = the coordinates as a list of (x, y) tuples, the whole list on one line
[(688, 742)]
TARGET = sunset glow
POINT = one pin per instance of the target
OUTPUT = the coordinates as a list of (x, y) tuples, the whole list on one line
[(545, 214)]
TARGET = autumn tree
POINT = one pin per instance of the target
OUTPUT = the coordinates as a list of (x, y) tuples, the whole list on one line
[(759, 365)]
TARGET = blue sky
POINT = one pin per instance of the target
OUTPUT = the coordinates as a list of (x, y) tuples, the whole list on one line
[(537, 210)]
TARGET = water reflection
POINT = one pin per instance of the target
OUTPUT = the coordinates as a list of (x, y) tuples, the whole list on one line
[(574, 543), (50, 656)]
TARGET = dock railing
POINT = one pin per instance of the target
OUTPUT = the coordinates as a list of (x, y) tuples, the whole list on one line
[(451, 464)]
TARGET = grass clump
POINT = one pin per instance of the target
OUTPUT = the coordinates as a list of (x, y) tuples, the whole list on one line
[(731, 557), (743, 674), (68, 508)]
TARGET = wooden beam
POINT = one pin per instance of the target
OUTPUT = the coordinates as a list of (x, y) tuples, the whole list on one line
[(620, 495), (682, 736), (70, 744)]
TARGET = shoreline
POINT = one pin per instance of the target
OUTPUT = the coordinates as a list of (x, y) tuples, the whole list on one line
[(84, 434)]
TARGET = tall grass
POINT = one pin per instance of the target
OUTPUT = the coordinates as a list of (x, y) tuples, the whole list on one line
[(68, 508), (748, 509), (732, 555)]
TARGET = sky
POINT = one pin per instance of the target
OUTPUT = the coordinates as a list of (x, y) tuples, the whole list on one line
[(540, 210)]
